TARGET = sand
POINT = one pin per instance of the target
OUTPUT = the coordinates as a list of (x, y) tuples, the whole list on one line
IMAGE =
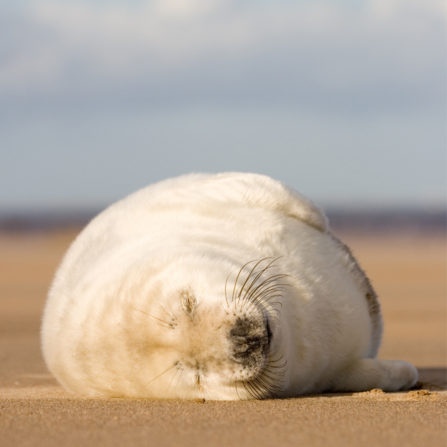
[(409, 274)]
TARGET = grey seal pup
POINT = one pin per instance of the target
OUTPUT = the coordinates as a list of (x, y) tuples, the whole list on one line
[(225, 287)]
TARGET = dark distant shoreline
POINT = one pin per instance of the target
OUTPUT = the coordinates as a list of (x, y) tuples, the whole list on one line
[(410, 220), (388, 220)]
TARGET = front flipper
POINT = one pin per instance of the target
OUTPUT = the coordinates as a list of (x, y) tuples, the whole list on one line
[(367, 374)]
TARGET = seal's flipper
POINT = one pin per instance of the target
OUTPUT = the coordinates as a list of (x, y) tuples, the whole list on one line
[(252, 190), (368, 374)]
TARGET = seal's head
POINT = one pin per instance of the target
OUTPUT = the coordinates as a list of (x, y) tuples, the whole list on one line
[(201, 340)]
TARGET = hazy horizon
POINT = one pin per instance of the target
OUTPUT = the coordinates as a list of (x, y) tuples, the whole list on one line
[(343, 100)]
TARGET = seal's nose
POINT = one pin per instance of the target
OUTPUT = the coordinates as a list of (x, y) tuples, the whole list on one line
[(249, 339)]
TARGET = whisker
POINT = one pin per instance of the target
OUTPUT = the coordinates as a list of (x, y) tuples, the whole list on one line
[(173, 314), (178, 380), (237, 278), (249, 276), (272, 303), (272, 294), (166, 324), (267, 383), (169, 386), (164, 372), (275, 373), (266, 298), (224, 309), (226, 282), (249, 389), (267, 302), (274, 288), (258, 275), (257, 386), (265, 283), (274, 354), (271, 365), (235, 386), (170, 316)]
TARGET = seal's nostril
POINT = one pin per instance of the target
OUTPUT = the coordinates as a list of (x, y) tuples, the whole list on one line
[(269, 332), (239, 340), (246, 326)]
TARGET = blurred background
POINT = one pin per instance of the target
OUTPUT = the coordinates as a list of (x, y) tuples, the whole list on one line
[(344, 100)]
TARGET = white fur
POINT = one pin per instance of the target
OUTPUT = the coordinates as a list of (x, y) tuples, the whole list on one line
[(130, 270)]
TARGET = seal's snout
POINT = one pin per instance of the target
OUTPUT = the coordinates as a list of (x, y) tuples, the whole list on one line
[(249, 339)]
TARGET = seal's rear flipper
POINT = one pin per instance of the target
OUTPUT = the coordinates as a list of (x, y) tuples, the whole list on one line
[(367, 374), (255, 191)]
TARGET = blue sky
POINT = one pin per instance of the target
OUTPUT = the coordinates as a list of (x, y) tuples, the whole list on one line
[(342, 100)]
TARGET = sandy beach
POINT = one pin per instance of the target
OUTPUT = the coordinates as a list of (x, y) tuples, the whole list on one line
[(408, 272)]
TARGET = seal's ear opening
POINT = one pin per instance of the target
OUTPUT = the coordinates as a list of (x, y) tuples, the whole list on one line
[(189, 302)]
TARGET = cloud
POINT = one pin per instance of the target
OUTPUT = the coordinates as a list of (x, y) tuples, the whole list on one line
[(325, 56)]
